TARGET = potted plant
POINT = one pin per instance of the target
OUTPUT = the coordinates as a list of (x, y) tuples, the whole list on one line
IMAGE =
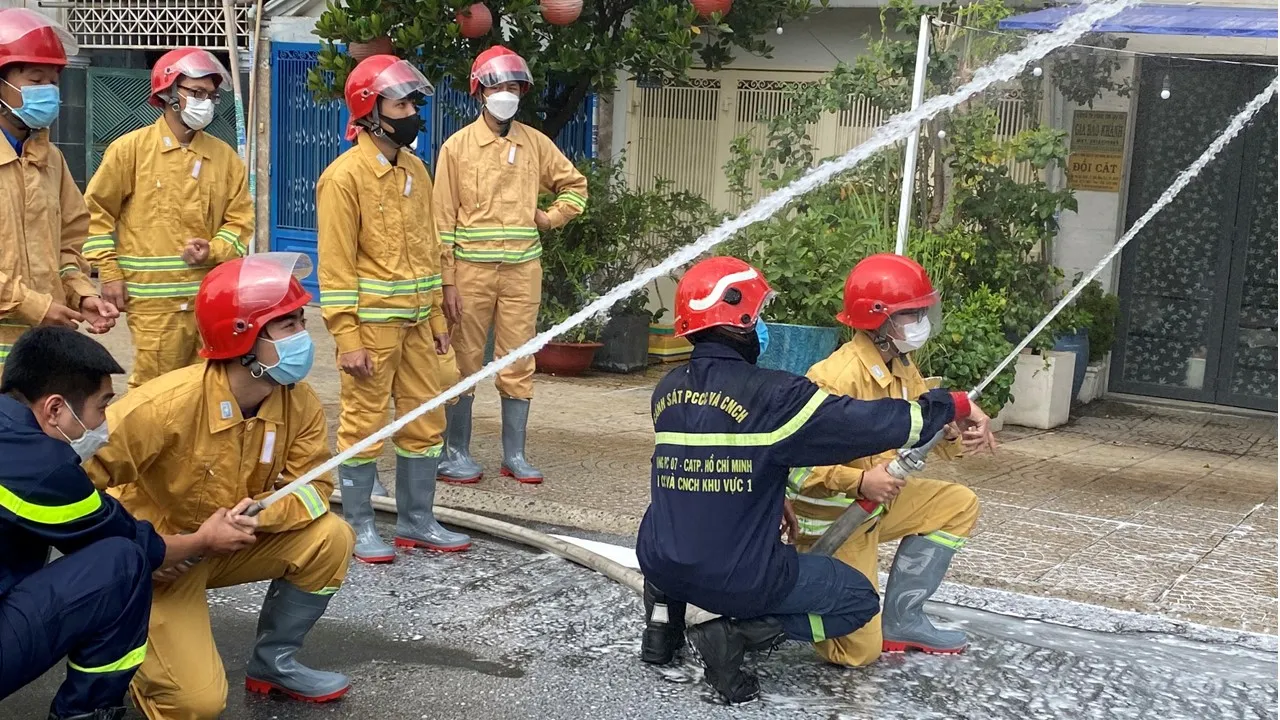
[(1103, 309), (569, 354), (621, 233)]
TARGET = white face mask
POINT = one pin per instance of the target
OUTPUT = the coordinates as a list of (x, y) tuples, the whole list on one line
[(502, 105), (88, 442), (198, 113), (913, 335)]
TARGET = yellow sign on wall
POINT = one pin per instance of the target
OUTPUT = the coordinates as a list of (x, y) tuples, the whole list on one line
[(1094, 171), (1098, 131)]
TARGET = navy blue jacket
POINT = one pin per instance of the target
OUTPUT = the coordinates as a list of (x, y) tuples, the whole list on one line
[(47, 500), (727, 434)]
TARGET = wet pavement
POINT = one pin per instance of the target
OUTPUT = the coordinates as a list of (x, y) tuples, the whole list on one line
[(507, 632)]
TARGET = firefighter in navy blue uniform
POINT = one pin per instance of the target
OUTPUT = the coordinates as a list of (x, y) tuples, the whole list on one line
[(92, 605), (727, 433)]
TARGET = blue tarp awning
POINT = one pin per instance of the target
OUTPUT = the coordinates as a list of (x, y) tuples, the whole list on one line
[(1240, 22)]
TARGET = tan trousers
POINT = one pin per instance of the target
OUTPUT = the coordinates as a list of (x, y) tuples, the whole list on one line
[(504, 297), (924, 506), (406, 369), (183, 677), (162, 343)]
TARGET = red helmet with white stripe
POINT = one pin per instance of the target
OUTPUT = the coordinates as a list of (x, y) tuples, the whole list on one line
[(720, 291)]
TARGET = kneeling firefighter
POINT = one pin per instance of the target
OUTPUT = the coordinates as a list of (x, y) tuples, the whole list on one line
[(727, 433), (892, 307)]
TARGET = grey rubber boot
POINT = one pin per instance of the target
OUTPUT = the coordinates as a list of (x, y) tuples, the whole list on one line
[(458, 466), (515, 421), (916, 573), (288, 614), (378, 489), (416, 524), (357, 483)]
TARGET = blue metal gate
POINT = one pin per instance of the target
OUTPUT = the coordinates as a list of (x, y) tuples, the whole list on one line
[(306, 136)]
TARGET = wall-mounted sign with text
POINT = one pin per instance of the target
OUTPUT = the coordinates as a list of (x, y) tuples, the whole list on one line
[(1097, 150)]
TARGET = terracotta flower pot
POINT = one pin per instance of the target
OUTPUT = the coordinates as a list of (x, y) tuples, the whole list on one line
[(567, 359), (561, 12), (376, 46), (706, 8), (475, 21)]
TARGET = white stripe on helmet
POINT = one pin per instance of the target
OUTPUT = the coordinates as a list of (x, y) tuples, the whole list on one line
[(723, 284)]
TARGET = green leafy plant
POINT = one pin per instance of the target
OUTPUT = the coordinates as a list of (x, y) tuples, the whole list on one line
[(1103, 309), (970, 344), (657, 39), (622, 232)]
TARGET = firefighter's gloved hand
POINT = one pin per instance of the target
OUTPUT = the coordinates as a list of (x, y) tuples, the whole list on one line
[(880, 486), (196, 252)]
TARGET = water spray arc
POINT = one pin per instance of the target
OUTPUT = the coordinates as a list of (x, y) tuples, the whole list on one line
[(899, 127)]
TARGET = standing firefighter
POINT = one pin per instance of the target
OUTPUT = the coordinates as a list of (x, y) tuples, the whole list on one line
[(380, 293), (201, 441), (488, 178), (726, 434), (43, 277), (892, 307), (168, 202)]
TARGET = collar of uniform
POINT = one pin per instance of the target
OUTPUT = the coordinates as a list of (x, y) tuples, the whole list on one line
[(18, 413), (715, 351), (168, 141), (35, 149), (485, 135), (865, 348), (224, 411), (381, 165), (7, 153)]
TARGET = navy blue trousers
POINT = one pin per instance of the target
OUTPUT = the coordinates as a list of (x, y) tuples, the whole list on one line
[(830, 600), (91, 607)]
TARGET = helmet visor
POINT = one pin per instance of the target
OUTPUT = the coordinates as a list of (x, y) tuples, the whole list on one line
[(265, 278), (503, 69), (202, 63), (17, 23), (400, 80), (914, 324)]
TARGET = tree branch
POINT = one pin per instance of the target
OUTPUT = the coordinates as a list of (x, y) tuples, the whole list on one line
[(568, 107)]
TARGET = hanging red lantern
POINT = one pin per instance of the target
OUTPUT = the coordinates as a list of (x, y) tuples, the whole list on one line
[(561, 12), (706, 8), (475, 21)]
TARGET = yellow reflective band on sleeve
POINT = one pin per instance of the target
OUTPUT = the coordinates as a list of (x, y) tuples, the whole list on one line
[(816, 627), (98, 243), (66, 270), (745, 439), (572, 198), (339, 298), (917, 424), (946, 539), (448, 237), (311, 500), (232, 239), (796, 478), (130, 661), (49, 514)]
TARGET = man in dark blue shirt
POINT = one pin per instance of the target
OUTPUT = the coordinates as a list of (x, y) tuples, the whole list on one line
[(727, 433), (93, 604)]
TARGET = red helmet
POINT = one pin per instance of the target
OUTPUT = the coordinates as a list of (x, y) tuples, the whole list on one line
[(720, 291), (498, 65), (27, 36), (185, 62), (238, 298), (882, 285), (380, 76)]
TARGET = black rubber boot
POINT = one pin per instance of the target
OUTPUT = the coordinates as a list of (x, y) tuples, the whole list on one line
[(722, 644), (664, 627), (116, 713)]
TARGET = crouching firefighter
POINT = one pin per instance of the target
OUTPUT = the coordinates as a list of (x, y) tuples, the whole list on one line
[(892, 307), (727, 433), (91, 605), (220, 435)]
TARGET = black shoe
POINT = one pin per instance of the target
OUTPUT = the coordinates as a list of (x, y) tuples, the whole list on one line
[(116, 713), (663, 630), (722, 645)]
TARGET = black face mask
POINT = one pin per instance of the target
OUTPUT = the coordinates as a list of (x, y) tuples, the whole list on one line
[(402, 131), (745, 344)]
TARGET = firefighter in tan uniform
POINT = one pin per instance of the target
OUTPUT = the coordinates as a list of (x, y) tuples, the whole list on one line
[(209, 437), (488, 177), (889, 302), (380, 296), (168, 202), (44, 279)]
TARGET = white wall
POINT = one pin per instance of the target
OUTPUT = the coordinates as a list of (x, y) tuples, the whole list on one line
[(817, 42)]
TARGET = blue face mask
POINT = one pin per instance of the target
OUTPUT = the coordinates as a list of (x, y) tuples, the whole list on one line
[(40, 104), (762, 334), (296, 353)]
